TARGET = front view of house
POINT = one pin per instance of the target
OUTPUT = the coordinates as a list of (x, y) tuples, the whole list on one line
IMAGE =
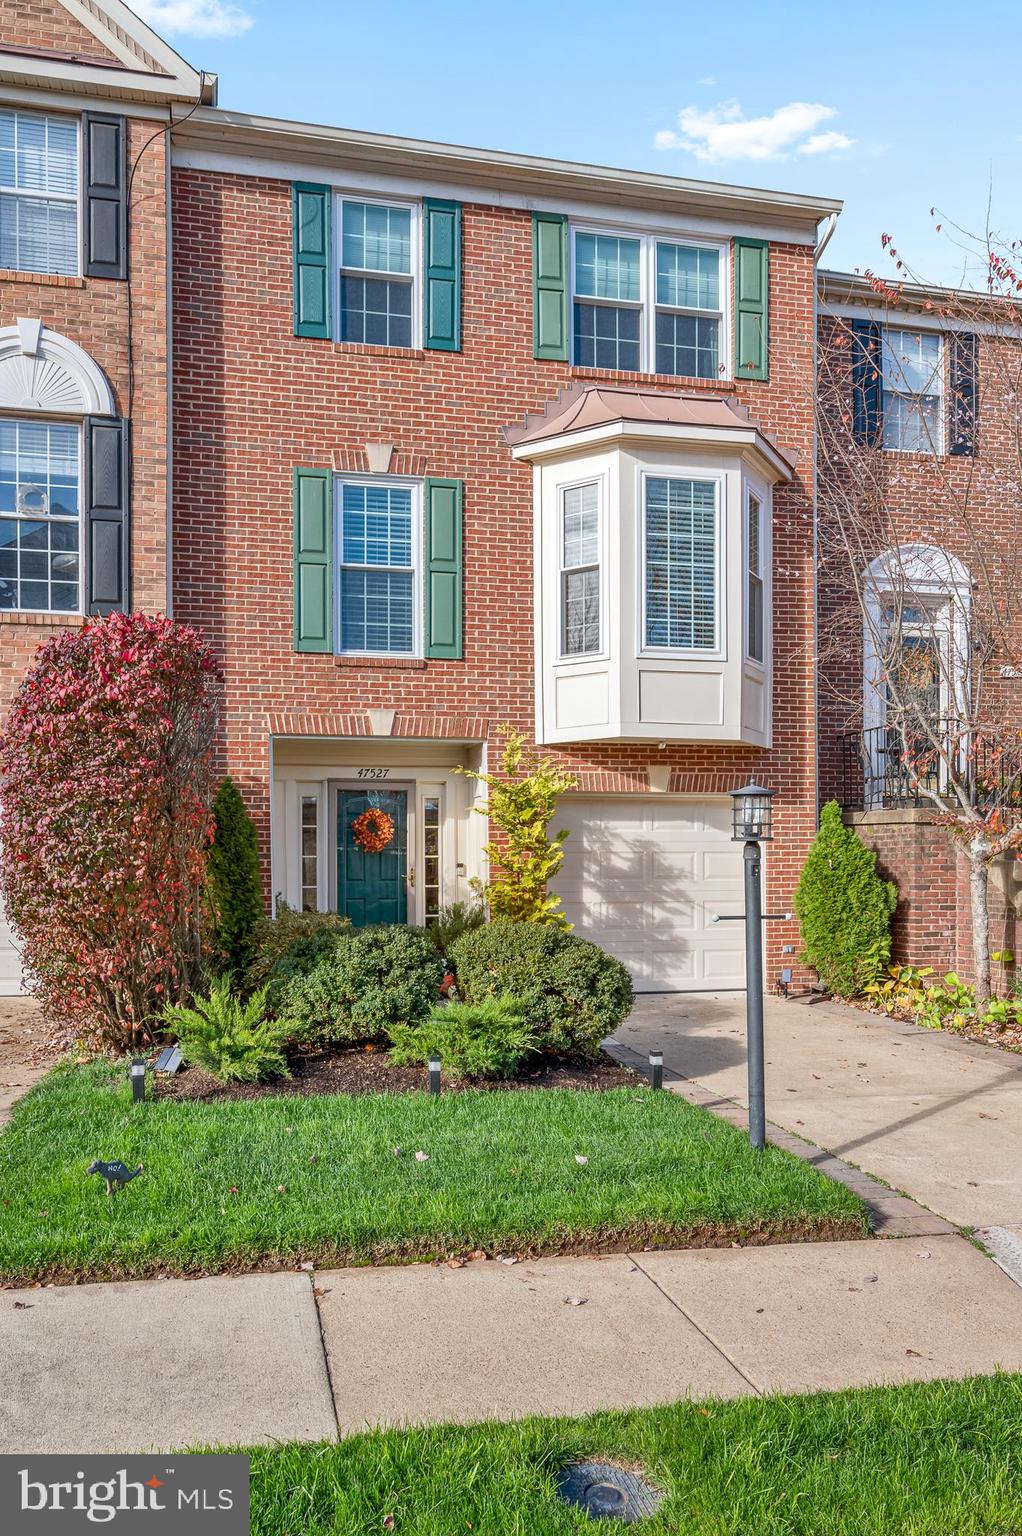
[(430, 443)]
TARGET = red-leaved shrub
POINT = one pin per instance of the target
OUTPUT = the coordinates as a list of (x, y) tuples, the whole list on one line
[(106, 782)]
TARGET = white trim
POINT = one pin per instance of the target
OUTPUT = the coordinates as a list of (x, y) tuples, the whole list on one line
[(636, 219), (58, 100), (909, 320), (649, 234), (718, 479), (887, 391), (418, 562), (58, 379), (414, 279), (929, 577), (81, 518)]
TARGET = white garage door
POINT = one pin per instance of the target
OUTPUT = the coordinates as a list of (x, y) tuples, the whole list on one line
[(10, 964), (645, 878)]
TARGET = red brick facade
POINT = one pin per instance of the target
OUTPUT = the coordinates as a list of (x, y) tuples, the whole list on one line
[(252, 401)]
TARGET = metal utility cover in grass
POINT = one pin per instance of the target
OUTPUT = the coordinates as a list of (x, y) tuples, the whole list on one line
[(608, 1493)]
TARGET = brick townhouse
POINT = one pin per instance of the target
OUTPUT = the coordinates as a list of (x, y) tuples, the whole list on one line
[(430, 442)]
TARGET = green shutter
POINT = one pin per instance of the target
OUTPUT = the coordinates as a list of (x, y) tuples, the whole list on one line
[(310, 219), (550, 286), (314, 560), (443, 569), (442, 244), (752, 325)]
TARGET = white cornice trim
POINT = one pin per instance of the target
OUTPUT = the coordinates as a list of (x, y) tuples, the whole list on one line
[(342, 150)]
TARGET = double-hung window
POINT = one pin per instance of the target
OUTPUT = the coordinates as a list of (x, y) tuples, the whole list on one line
[(40, 529), (580, 570), (755, 616), (680, 538), (38, 192), (644, 303), (608, 301), (379, 568), (377, 243), (913, 390)]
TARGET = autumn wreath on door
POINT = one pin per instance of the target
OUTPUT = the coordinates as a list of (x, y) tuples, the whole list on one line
[(372, 830)]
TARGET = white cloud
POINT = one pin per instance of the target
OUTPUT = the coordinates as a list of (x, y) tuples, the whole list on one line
[(821, 143), (725, 133), (708, 80), (199, 18)]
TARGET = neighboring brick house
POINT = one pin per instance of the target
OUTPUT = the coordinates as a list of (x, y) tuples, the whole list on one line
[(919, 400), (459, 440)]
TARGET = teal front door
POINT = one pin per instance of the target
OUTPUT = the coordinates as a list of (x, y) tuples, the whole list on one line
[(372, 887)]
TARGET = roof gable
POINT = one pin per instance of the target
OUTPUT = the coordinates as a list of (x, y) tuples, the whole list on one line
[(94, 47)]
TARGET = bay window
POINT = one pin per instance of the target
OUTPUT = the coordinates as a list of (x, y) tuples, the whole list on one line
[(681, 564), (38, 192), (40, 528), (580, 570), (647, 303)]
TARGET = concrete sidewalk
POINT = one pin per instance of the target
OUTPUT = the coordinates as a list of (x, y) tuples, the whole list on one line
[(928, 1113), (166, 1364)]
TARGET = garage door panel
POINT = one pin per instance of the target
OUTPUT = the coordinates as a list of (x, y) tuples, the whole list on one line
[(645, 879)]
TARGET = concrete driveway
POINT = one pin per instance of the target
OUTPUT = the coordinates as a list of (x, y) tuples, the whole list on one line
[(934, 1116)]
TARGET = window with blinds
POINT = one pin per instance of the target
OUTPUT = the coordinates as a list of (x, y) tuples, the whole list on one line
[(680, 546), (755, 638), (580, 570), (38, 193)]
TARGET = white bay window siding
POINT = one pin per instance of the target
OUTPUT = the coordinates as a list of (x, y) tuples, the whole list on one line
[(649, 497), (40, 525), (38, 193), (642, 303)]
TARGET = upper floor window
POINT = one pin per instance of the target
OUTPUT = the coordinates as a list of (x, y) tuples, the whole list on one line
[(38, 192), (379, 568), (913, 391), (755, 619), (680, 537), (40, 531), (377, 273), (645, 303), (580, 570)]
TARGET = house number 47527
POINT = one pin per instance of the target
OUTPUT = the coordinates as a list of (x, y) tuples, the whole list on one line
[(373, 773)]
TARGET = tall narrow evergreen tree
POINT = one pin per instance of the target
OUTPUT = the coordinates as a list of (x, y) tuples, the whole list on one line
[(234, 887), (844, 908)]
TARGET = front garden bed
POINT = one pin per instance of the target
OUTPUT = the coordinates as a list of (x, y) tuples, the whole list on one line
[(368, 1069), (334, 1179)]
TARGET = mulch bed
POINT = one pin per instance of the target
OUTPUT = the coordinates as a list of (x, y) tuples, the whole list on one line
[(368, 1070), (1006, 1037)]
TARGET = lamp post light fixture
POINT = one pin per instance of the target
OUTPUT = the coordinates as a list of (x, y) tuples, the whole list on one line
[(433, 1065), (137, 1074), (752, 825)]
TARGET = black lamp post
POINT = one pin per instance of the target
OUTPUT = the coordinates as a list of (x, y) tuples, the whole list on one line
[(752, 825)]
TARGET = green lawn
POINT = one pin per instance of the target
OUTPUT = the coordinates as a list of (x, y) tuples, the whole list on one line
[(238, 1183), (943, 1459)]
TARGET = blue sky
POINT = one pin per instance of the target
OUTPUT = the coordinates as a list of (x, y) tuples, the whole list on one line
[(890, 107)]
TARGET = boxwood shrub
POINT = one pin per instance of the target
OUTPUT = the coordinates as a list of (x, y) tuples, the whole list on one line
[(370, 979), (574, 994)]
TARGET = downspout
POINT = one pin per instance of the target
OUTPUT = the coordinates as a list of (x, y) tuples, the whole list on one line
[(821, 246), (169, 281)]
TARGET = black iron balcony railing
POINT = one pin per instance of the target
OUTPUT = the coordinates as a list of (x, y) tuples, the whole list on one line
[(877, 772)]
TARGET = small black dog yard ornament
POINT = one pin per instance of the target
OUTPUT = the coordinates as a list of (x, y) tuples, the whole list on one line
[(115, 1174)]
